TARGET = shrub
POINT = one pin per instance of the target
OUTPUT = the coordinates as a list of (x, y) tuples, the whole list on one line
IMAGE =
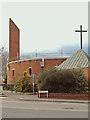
[(64, 81), (22, 84)]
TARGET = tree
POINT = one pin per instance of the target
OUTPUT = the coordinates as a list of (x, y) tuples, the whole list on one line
[(3, 62)]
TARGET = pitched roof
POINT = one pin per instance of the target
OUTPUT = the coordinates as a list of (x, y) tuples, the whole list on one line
[(78, 59)]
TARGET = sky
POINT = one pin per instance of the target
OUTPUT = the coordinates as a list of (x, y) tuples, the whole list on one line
[(46, 26)]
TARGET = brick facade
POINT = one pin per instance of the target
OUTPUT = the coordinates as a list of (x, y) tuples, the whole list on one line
[(15, 69), (14, 41)]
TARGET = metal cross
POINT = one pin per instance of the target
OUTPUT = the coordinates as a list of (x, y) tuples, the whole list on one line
[(81, 34)]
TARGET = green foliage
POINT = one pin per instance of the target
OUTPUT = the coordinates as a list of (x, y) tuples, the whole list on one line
[(64, 81), (81, 85), (22, 84)]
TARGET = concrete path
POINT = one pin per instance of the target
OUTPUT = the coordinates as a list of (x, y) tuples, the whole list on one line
[(35, 98)]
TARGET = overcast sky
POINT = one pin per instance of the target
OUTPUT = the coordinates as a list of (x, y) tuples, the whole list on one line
[(46, 26)]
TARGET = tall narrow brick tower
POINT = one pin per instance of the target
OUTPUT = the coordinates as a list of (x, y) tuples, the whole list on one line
[(14, 41)]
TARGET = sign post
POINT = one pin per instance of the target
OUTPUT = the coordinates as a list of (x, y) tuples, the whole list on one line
[(33, 82)]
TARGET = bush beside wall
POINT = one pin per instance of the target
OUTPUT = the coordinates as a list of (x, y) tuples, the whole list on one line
[(63, 81)]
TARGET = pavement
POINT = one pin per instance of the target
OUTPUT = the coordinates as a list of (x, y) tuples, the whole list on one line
[(30, 97)]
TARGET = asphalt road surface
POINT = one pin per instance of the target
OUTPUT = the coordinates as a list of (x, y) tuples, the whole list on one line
[(32, 109)]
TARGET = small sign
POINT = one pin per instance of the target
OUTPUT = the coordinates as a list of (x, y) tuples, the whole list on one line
[(33, 76)]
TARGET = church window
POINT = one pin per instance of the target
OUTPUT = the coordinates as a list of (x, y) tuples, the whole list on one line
[(30, 71), (13, 72)]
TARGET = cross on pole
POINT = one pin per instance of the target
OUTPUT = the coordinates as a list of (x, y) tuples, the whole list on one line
[(81, 34)]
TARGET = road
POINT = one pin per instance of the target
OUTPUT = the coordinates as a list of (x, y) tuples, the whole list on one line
[(32, 109)]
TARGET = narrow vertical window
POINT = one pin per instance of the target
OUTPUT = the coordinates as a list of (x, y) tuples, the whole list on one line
[(8, 67), (13, 72), (30, 71)]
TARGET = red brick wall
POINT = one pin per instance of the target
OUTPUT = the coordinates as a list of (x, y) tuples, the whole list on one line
[(65, 96), (14, 41), (53, 62), (24, 65), (87, 75)]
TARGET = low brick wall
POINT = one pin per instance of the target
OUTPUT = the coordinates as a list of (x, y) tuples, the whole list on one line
[(65, 96)]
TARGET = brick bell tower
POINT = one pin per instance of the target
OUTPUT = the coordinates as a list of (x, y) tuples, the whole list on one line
[(14, 41)]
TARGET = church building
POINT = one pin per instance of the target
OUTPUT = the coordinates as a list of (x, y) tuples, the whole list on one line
[(17, 66)]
